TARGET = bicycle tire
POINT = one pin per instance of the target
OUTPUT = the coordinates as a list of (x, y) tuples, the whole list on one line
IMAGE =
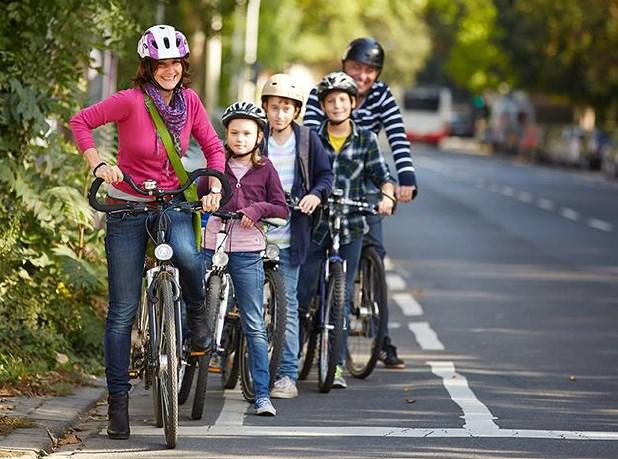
[(246, 381), (366, 330), (229, 358), (200, 387), (156, 390), (331, 339), (186, 380), (212, 300), (169, 386), (308, 343), (275, 318)]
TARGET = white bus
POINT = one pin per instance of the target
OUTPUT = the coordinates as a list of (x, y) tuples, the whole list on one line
[(426, 112)]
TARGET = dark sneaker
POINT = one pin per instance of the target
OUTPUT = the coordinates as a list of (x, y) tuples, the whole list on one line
[(118, 416), (389, 357)]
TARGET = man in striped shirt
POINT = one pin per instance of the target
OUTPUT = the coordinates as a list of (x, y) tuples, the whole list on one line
[(376, 109)]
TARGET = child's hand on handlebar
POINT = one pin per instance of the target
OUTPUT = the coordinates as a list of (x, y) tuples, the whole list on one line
[(246, 222), (309, 203), (385, 206)]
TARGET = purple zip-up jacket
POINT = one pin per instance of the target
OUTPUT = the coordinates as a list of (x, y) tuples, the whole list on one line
[(258, 194)]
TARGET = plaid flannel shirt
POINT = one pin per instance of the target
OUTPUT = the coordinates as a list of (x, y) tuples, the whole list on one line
[(358, 165)]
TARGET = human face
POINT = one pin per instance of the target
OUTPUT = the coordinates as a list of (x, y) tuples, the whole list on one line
[(364, 75), (242, 135), (337, 106), (280, 112), (168, 73)]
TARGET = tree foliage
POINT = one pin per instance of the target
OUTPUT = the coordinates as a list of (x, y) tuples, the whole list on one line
[(51, 267), (317, 32)]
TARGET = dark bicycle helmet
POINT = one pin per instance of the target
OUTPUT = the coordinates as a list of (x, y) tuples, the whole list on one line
[(337, 81), (365, 50), (245, 110)]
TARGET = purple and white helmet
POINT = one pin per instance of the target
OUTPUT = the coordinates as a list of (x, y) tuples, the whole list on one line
[(162, 42)]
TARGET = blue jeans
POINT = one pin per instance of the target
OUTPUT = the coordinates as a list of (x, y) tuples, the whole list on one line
[(247, 272), (125, 246), (289, 357), (310, 271)]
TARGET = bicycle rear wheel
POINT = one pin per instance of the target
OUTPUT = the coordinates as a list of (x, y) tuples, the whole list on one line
[(308, 341), (366, 329), (200, 386), (168, 361), (331, 332), (230, 365), (275, 317), (186, 379), (213, 299)]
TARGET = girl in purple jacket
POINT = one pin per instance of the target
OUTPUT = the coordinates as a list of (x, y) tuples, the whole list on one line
[(257, 194)]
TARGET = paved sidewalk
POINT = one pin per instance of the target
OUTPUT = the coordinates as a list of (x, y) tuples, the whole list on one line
[(51, 415)]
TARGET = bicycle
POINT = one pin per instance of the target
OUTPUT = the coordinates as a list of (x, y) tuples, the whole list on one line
[(156, 356), (323, 322), (275, 314), (229, 344)]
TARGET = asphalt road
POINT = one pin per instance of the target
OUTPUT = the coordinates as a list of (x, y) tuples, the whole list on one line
[(504, 299)]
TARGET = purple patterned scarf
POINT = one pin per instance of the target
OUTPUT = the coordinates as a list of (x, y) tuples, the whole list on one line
[(175, 114)]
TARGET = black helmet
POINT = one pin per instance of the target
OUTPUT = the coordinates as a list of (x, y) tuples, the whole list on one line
[(365, 50), (337, 81), (245, 110)]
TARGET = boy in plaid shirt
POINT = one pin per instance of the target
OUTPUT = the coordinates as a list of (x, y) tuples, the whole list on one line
[(356, 160)]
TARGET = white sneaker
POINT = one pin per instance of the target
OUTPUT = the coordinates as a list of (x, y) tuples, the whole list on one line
[(284, 388)]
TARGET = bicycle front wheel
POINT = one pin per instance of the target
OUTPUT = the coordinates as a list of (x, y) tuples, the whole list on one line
[(331, 332), (168, 363), (366, 330)]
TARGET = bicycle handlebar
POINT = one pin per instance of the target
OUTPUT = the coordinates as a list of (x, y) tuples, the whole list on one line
[(141, 206)]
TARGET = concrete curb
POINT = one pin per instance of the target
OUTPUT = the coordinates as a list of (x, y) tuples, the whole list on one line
[(50, 413)]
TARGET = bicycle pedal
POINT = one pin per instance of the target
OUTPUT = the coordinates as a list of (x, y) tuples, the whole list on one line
[(133, 374), (197, 353), (214, 369)]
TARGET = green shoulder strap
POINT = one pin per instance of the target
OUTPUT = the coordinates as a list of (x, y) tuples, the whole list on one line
[(191, 192)]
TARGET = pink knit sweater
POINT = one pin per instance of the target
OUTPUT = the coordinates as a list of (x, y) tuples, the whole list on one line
[(140, 153)]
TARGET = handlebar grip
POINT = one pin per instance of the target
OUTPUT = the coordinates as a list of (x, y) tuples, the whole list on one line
[(226, 194), (101, 207)]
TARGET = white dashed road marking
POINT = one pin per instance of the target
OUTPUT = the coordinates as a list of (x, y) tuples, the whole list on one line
[(408, 304), (425, 336), (569, 214), (599, 224)]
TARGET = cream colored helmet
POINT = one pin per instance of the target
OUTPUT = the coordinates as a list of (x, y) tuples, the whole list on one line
[(282, 85)]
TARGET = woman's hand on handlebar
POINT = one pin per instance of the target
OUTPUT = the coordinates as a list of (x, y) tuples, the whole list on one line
[(210, 202), (110, 174)]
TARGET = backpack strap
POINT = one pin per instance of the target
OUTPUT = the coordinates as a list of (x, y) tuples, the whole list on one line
[(303, 150)]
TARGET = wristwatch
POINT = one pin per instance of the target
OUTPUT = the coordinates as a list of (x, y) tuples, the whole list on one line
[(215, 189)]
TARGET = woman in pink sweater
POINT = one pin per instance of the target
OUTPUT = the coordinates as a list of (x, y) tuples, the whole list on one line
[(163, 75)]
